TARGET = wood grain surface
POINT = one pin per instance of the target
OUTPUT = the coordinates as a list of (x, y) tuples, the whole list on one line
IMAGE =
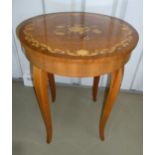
[(76, 45)]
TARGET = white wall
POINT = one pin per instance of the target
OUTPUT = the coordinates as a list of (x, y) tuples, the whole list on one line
[(23, 9), (16, 67), (129, 10)]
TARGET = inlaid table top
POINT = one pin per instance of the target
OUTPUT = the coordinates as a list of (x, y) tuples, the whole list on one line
[(78, 35), (76, 45)]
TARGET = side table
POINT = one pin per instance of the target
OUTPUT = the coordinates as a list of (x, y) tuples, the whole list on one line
[(76, 44)]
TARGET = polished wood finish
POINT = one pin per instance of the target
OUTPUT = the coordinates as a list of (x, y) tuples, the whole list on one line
[(40, 81), (76, 45), (95, 87), (116, 78), (52, 86)]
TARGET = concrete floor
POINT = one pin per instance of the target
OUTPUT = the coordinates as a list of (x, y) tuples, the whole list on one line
[(75, 124)]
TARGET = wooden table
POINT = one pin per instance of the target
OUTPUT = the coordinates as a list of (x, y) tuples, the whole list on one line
[(76, 45)]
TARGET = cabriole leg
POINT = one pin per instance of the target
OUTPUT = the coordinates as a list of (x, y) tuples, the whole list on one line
[(40, 80), (95, 87), (115, 83), (52, 86)]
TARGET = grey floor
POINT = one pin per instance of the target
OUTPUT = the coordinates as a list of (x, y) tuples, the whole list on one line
[(75, 123)]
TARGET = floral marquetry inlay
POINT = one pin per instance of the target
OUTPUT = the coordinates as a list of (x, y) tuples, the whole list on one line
[(77, 29), (94, 35)]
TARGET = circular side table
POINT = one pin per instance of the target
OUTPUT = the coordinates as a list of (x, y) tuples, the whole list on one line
[(76, 44)]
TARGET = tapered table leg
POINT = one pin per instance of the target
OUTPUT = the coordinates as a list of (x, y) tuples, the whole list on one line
[(40, 80), (116, 78), (95, 87), (52, 86)]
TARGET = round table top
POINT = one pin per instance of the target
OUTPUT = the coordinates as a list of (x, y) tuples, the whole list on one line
[(77, 35)]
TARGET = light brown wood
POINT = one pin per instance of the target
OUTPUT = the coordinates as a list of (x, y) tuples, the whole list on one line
[(95, 87), (40, 81), (52, 86), (116, 78), (74, 68), (76, 45)]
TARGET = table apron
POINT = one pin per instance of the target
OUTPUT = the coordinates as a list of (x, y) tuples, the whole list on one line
[(75, 68)]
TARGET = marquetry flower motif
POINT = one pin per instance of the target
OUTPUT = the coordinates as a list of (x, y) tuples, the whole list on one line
[(78, 29), (82, 52), (60, 30), (97, 31)]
